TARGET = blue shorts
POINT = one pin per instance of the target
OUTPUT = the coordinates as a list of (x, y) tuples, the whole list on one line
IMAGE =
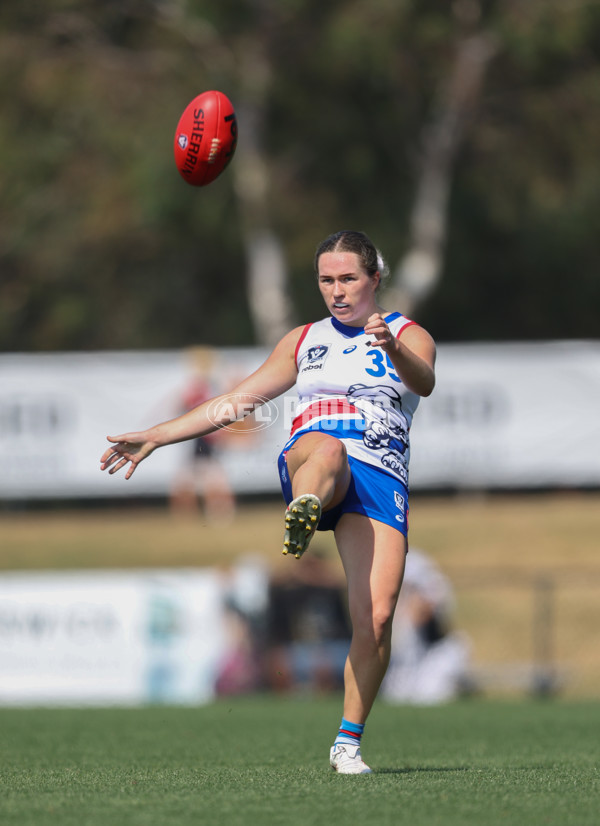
[(371, 492)]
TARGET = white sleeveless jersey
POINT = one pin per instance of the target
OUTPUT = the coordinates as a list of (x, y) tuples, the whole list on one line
[(351, 390)]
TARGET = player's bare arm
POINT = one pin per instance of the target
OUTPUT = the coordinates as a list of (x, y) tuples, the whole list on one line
[(412, 354), (276, 375)]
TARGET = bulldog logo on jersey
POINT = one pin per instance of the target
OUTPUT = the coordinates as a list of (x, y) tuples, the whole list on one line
[(316, 357)]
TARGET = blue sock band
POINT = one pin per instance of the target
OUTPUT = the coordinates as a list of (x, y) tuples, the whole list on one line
[(350, 732)]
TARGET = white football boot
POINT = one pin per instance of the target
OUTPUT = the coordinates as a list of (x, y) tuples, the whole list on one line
[(346, 759), (301, 520)]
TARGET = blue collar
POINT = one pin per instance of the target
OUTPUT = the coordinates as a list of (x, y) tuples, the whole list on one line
[(352, 332)]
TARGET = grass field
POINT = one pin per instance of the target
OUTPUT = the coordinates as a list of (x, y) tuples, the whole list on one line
[(264, 761), (517, 563)]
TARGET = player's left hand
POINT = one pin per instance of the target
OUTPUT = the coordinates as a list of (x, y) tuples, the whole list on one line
[(378, 333)]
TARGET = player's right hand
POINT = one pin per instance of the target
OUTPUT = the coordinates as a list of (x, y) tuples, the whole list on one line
[(129, 448)]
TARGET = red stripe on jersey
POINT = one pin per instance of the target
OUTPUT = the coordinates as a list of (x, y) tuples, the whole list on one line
[(300, 340), (406, 326), (324, 407)]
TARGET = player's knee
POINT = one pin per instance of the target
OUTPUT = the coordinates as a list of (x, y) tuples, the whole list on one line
[(333, 452), (382, 625), (372, 624)]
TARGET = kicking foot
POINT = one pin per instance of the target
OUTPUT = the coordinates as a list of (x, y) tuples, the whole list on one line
[(301, 520), (346, 759)]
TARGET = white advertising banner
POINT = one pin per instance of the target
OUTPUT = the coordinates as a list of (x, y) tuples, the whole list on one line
[(110, 637), (511, 415), (57, 409), (502, 415)]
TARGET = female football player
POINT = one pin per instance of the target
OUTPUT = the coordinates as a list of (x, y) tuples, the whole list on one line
[(359, 375)]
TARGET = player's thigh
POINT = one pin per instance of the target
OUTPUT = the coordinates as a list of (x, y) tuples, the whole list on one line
[(332, 454), (373, 555)]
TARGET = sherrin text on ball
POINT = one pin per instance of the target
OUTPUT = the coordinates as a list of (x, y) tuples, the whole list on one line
[(205, 138)]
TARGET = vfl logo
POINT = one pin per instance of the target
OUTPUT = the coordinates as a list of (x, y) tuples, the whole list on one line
[(317, 353), (182, 140), (316, 356), (400, 504)]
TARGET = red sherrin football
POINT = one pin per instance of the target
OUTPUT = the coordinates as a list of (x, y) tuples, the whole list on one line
[(205, 138)]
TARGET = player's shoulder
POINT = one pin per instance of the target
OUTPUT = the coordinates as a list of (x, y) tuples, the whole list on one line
[(419, 340), (402, 324), (312, 327), (415, 331), (292, 336), (291, 341)]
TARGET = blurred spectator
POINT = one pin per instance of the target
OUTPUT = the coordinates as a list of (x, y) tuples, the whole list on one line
[(308, 629), (429, 660), (240, 671), (202, 478), (241, 668)]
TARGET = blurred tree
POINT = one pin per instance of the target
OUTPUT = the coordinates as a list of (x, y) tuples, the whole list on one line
[(102, 245), (420, 269), (523, 254), (246, 51)]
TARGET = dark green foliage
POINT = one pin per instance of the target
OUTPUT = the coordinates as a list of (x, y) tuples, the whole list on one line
[(102, 245)]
